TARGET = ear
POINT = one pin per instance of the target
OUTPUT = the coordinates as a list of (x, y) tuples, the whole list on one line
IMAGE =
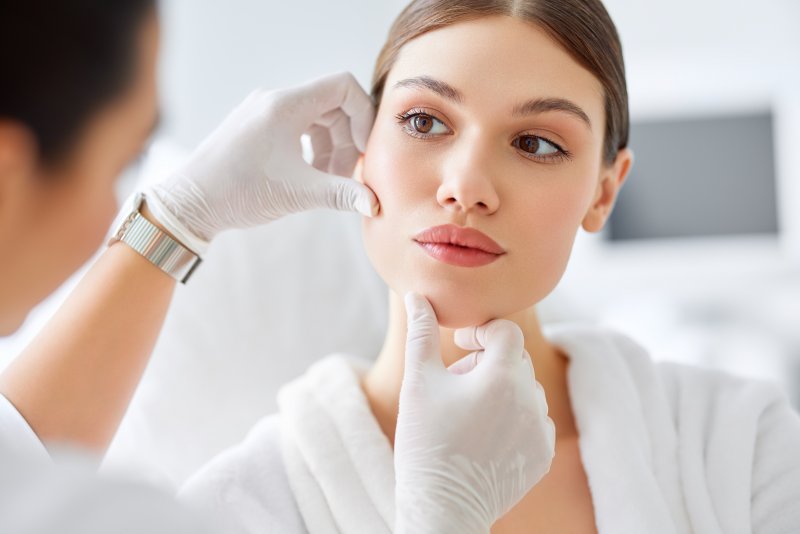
[(611, 179), (18, 165)]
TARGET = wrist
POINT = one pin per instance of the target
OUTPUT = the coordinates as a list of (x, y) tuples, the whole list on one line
[(143, 232), (147, 214), (166, 213)]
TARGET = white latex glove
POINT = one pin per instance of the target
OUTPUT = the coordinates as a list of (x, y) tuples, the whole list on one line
[(251, 171), (471, 441)]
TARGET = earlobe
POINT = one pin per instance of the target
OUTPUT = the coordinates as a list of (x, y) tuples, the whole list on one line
[(611, 180)]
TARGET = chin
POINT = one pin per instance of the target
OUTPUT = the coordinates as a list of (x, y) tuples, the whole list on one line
[(453, 317), (456, 307)]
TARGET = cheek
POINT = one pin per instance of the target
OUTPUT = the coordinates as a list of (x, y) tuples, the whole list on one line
[(402, 192), (85, 216), (66, 225), (100, 208), (547, 221)]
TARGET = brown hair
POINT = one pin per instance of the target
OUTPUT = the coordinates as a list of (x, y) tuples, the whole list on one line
[(582, 27)]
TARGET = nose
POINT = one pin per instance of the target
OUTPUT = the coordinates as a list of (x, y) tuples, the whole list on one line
[(467, 181)]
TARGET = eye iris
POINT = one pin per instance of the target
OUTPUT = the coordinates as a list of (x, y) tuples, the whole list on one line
[(422, 123), (529, 143)]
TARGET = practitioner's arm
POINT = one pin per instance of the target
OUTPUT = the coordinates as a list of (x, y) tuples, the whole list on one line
[(76, 379)]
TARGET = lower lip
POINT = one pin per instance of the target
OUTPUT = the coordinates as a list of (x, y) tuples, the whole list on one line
[(455, 255)]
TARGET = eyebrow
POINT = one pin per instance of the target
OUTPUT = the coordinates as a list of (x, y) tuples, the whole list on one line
[(541, 105), (444, 89), (531, 107)]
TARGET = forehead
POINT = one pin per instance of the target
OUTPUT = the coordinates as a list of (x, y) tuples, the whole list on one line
[(497, 62)]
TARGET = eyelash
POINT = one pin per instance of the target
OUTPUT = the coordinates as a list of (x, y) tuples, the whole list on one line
[(405, 117)]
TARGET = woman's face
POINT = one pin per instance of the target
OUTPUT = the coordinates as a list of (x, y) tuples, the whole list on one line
[(487, 124)]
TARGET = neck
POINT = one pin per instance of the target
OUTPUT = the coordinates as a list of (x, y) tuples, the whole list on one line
[(382, 382)]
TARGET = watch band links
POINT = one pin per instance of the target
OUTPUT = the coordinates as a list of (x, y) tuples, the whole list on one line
[(158, 247)]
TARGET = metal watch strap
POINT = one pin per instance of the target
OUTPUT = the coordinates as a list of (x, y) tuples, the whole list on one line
[(158, 247)]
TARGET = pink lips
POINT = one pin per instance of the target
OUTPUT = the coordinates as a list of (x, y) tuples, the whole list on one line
[(458, 245)]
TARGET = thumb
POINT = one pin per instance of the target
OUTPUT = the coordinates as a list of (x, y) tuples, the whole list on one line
[(501, 339), (337, 192), (422, 339), (467, 363)]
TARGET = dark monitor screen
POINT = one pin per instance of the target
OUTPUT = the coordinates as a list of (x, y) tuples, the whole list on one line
[(698, 177)]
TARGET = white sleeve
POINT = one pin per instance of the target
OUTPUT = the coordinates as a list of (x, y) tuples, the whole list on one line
[(17, 438), (776, 471), (66, 496), (69, 498)]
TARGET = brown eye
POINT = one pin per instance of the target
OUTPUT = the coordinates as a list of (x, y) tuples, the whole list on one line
[(538, 147), (528, 143), (422, 123)]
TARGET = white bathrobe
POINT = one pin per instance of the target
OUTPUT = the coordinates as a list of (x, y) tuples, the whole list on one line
[(667, 448)]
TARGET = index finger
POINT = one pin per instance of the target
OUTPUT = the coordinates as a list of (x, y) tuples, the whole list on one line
[(336, 91)]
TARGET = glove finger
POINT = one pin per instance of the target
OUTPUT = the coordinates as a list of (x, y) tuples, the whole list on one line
[(328, 93), (344, 154), (326, 191), (465, 338), (422, 338), (529, 362), (503, 341), (329, 118), (551, 436), (467, 363), (322, 147)]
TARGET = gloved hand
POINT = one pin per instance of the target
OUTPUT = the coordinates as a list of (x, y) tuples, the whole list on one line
[(471, 441), (251, 171)]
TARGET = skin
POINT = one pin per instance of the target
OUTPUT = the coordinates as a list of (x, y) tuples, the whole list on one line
[(471, 174), (75, 380)]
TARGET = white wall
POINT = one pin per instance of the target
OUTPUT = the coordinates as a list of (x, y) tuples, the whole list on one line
[(215, 53), (680, 55)]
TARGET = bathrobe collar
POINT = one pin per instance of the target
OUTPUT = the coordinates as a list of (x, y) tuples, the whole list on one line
[(340, 464)]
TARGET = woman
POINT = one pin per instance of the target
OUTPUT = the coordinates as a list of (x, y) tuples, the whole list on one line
[(510, 118), (77, 104)]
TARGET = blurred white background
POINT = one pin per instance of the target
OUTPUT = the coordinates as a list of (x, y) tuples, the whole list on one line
[(729, 302)]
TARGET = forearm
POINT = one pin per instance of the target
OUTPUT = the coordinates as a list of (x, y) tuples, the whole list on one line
[(73, 383)]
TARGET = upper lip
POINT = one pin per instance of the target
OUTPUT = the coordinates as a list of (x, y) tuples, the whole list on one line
[(459, 235)]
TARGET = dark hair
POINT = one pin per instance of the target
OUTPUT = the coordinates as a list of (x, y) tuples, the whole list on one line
[(62, 61), (582, 27)]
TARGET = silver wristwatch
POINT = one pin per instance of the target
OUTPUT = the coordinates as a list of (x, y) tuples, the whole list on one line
[(159, 248)]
